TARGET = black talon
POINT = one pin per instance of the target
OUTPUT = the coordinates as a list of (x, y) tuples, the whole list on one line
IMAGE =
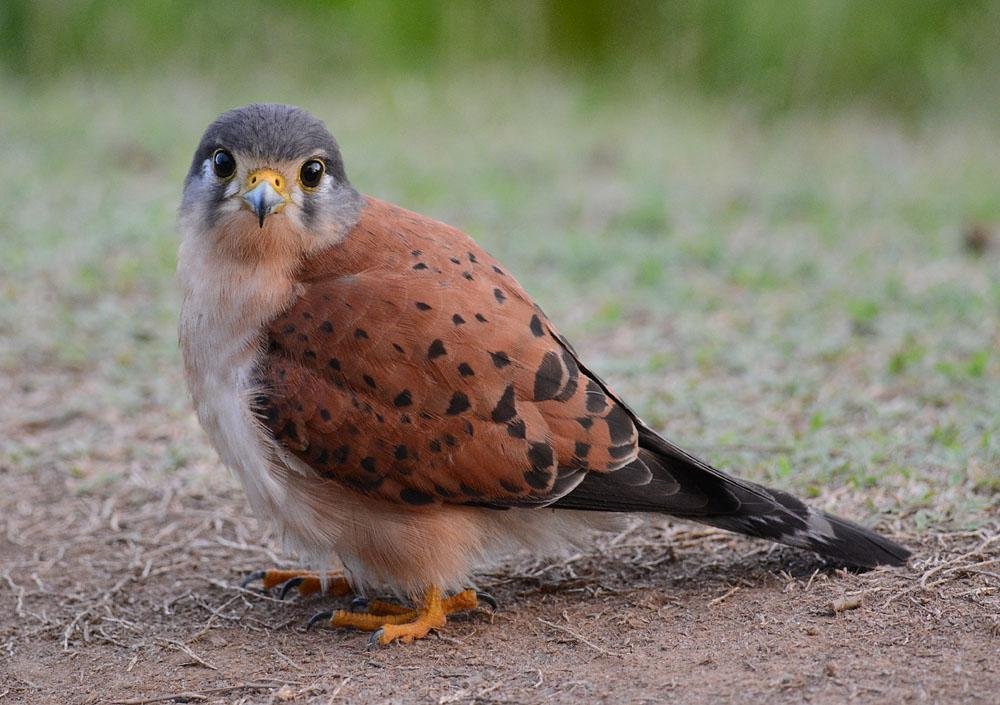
[(318, 617), (292, 583), (373, 640), (256, 575), (489, 600), (359, 604)]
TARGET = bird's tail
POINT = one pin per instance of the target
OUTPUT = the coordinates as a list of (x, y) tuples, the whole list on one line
[(681, 485)]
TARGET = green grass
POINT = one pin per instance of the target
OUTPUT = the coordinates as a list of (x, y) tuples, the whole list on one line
[(790, 298)]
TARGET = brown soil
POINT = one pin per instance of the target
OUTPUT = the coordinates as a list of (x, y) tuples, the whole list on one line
[(125, 591)]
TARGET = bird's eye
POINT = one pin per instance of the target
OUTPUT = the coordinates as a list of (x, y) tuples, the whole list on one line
[(311, 173), (223, 164)]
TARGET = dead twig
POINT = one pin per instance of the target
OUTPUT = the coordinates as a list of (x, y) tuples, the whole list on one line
[(725, 596), (844, 604), (187, 649), (580, 638)]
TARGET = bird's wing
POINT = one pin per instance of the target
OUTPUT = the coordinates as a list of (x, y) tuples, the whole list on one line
[(415, 369)]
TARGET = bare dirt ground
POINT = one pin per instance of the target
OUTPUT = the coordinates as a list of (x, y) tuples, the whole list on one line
[(127, 593)]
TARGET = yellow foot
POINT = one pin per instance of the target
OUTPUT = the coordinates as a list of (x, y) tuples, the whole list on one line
[(390, 622), (308, 583)]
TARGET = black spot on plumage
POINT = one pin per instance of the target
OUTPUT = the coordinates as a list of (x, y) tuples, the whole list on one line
[(398, 347), (472, 258), (323, 457), (505, 410), (459, 403), (498, 270), (341, 454), (422, 306), (499, 296), (450, 440), (436, 349), (620, 427), (581, 449), (324, 414), (404, 398), (622, 451), (401, 452), (517, 429), (442, 492), (416, 253), (270, 413), (548, 377), (539, 479), (326, 327), (289, 431), (455, 260), (368, 464), (309, 354), (540, 455), (467, 275), (457, 320), (416, 497), (596, 401), (360, 333), (465, 370), (420, 265), (303, 338), (500, 359), (510, 487), (288, 329), (405, 418), (469, 429), (536, 326), (469, 491), (481, 318), (369, 381), (435, 446), (585, 421), (569, 389), (333, 363)]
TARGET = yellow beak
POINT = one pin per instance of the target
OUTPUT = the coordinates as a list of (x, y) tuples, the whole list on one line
[(265, 192)]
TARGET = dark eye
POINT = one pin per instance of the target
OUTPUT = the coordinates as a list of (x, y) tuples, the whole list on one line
[(223, 164), (311, 173)]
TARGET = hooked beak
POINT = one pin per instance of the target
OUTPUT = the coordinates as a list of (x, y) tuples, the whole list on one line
[(265, 193)]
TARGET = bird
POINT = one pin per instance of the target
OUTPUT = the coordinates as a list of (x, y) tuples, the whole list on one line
[(394, 401)]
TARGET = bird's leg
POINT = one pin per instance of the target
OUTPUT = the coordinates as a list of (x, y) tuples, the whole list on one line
[(307, 582), (390, 622)]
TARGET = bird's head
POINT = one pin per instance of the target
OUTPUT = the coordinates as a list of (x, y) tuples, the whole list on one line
[(267, 178)]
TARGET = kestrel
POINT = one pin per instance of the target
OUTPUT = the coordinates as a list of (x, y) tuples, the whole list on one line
[(391, 397)]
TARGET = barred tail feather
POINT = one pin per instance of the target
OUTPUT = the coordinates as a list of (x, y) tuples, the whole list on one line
[(684, 486)]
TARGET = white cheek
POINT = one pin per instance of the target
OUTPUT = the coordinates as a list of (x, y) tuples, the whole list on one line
[(208, 177)]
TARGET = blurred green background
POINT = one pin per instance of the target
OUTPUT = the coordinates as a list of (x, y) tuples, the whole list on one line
[(905, 55), (772, 225)]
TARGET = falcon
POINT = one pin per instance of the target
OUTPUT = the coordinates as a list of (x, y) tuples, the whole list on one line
[(390, 397)]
